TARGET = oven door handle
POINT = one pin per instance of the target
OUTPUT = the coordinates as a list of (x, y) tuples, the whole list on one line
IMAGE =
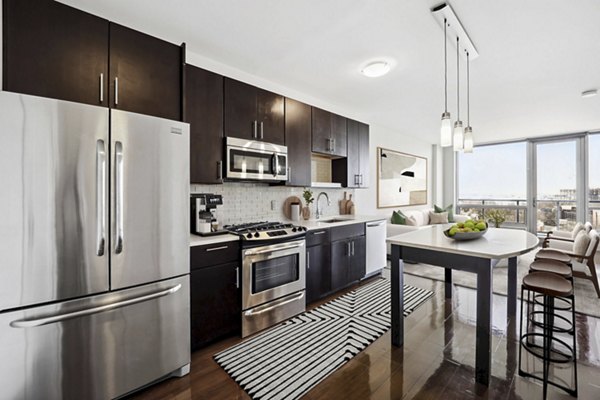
[(275, 248), (274, 304)]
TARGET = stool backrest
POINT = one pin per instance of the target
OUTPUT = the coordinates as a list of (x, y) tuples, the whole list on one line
[(588, 226)]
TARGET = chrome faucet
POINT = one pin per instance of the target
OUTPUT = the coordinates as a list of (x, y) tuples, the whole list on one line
[(319, 209)]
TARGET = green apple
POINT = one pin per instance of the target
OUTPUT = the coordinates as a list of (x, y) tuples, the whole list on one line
[(481, 226), (452, 231)]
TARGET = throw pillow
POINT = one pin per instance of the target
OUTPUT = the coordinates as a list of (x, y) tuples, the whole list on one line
[(438, 218), (449, 209), (582, 241), (578, 228), (398, 218), (411, 221)]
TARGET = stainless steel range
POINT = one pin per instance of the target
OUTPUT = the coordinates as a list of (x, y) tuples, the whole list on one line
[(273, 273)]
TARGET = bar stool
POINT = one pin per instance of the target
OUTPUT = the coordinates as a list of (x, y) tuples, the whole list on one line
[(555, 255), (552, 349), (558, 268)]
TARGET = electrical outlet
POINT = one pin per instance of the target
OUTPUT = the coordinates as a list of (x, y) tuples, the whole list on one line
[(273, 205)]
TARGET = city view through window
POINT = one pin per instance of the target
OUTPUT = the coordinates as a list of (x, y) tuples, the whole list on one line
[(494, 178)]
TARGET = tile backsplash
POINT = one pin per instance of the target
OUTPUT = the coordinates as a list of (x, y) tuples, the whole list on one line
[(246, 202)]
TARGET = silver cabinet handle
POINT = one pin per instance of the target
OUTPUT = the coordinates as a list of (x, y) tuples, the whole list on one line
[(373, 224), (360, 182), (101, 88), (352, 248), (274, 304), (220, 170), (116, 91), (237, 277), (289, 177), (262, 130), (327, 147), (119, 197), (255, 129), (348, 250), (332, 145), (100, 197), (307, 260), (217, 248), (30, 323)]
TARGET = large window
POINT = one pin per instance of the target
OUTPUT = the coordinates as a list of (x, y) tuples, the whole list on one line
[(494, 177), (594, 180)]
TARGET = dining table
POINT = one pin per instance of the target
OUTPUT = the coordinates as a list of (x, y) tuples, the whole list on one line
[(429, 245)]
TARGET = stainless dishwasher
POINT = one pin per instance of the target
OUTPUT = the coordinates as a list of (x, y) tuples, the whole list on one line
[(376, 251)]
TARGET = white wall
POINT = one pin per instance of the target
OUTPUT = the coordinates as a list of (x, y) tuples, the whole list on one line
[(380, 136)]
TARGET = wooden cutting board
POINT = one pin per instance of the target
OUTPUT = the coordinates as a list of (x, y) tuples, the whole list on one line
[(287, 206)]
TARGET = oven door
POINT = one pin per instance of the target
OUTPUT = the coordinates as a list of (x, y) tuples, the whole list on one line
[(271, 272)]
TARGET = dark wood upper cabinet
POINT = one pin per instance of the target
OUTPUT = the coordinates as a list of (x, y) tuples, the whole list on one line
[(328, 133), (298, 142), (204, 113), (353, 171), (145, 73), (252, 113), (53, 50)]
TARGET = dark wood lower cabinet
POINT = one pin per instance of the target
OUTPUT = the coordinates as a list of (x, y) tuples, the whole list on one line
[(318, 272), (348, 261), (215, 303)]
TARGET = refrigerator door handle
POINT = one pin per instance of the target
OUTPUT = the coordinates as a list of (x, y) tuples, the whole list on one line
[(100, 197), (31, 323), (119, 196)]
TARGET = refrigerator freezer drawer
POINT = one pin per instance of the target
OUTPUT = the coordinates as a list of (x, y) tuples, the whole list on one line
[(98, 347)]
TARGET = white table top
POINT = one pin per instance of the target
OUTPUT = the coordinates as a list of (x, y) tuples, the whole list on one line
[(497, 243)]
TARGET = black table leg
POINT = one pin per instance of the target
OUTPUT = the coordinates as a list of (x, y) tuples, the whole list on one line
[(511, 302), (397, 297), (448, 284), (483, 342)]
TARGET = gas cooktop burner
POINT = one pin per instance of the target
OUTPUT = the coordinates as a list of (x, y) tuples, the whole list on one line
[(266, 231)]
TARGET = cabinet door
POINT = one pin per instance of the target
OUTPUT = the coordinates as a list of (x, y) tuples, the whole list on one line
[(270, 117), (340, 263), (353, 156), (364, 162), (321, 131), (338, 135), (204, 113), (53, 50), (145, 74), (358, 263), (240, 110), (297, 140), (215, 303), (318, 272)]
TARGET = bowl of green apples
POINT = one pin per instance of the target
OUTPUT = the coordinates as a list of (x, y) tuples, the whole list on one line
[(468, 230)]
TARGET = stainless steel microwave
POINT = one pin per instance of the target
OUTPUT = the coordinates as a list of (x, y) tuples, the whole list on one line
[(255, 161)]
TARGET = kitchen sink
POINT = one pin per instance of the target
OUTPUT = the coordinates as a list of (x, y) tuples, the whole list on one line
[(334, 220)]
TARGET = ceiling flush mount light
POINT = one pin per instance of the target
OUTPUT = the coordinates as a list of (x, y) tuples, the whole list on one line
[(376, 69), (589, 93), (446, 129)]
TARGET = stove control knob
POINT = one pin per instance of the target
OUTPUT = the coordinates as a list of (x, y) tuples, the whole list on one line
[(256, 234), (294, 229), (249, 236)]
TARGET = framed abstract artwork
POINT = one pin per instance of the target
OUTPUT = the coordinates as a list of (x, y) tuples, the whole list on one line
[(401, 179)]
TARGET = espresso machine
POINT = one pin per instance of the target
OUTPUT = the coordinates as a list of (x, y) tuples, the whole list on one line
[(203, 207)]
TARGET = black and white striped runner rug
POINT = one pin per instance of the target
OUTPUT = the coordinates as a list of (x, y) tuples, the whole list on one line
[(288, 360)]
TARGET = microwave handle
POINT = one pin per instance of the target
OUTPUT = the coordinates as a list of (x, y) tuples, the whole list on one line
[(274, 164)]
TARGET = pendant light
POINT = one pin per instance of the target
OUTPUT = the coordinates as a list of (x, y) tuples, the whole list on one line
[(468, 138), (458, 125), (446, 130)]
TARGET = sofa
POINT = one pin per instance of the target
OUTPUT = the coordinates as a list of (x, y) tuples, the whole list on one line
[(421, 217)]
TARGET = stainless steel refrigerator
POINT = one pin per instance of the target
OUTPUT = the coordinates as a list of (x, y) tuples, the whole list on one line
[(94, 249)]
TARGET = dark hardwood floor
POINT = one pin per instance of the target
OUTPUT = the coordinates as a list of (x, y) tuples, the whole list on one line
[(436, 362)]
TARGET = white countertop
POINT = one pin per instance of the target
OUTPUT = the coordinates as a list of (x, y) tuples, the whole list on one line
[(497, 243), (313, 224), (196, 240)]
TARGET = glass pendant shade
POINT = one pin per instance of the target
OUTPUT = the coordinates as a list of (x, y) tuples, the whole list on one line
[(459, 136), (468, 140), (446, 130)]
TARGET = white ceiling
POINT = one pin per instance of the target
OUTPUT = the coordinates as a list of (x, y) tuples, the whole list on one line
[(536, 56)]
